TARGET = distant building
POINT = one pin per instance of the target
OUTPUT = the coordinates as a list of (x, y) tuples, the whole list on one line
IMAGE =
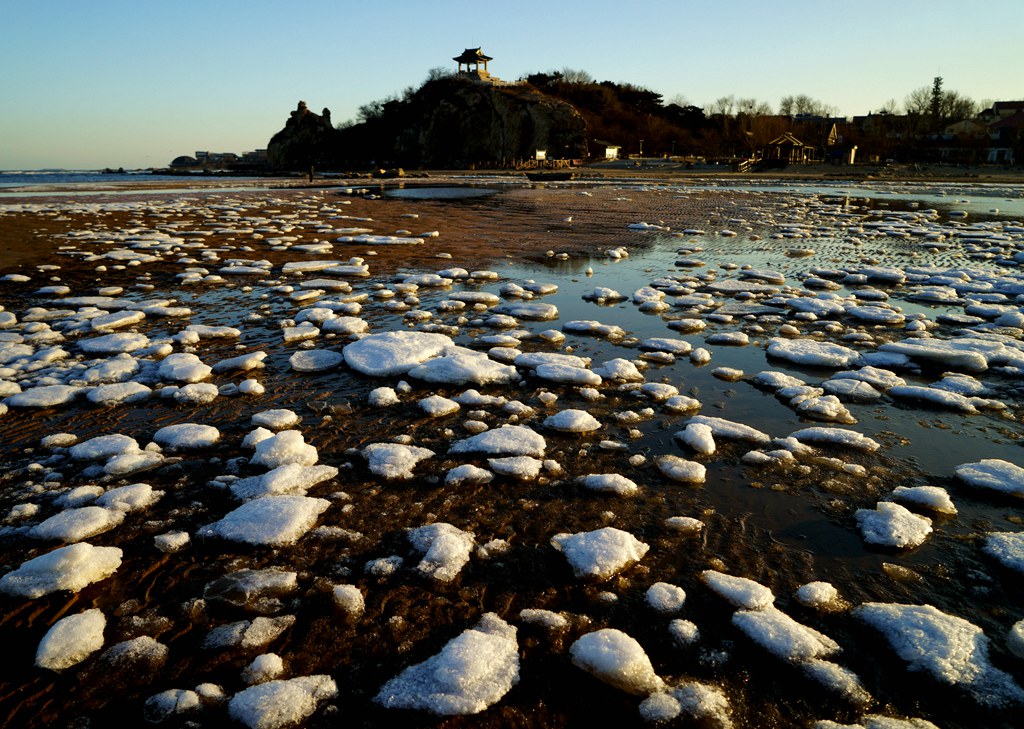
[(787, 148)]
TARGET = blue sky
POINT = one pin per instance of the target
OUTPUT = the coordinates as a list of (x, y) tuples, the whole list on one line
[(135, 84)]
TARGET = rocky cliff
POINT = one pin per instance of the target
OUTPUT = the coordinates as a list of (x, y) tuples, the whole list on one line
[(448, 123), (456, 123), (305, 140)]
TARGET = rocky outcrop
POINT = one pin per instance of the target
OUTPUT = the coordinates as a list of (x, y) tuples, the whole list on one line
[(305, 141), (451, 122), (456, 123)]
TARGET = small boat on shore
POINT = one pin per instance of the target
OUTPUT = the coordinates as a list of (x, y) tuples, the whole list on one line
[(550, 175)]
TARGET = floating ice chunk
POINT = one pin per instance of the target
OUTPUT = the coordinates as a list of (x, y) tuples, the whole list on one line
[(288, 446), (524, 468), (529, 310), (315, 360), (819, 595), (67, 568), (1007, 547), (601, 553), (171, 542), (44, 396), (934, 396), (951, 649), (680, 469), (813, 353), (183, 367), (782, 636), (345, 325), (281, 703), (271, 520), (394, 460), (114, 343), (186, 436), (472, 672), (119, 393), (468, 474), (132, 462), (383, 397), (1015, 639), (394, 353), (892, 525), (694, 700), (242, 363), (74, 525), (291, 478), (139, 654), (596, 328), (445, 549), (740, 591), (349, 599), (547, 618), (572, 421), (71, 640), (699, 437), (935, 498), (851, 390), (683, 632), (836, 436), (462, 369), (841, 680), (665, 598), (617, 659), (263, 668), (685, 524), (512, 440), (554, 372), (610, 483), (776, 380), (279, 419), (730, 430), (254, 591), (995, 474)]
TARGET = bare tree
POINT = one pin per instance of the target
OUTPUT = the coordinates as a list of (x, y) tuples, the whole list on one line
[(804, 105), (753, 107), (572, 76)]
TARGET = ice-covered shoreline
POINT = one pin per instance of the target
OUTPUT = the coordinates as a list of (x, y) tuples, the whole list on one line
[(650, 434)]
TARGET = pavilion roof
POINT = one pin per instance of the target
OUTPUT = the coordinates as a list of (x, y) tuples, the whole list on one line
[(472, 55)]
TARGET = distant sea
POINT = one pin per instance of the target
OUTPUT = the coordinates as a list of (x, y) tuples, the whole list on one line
[(24, 178)]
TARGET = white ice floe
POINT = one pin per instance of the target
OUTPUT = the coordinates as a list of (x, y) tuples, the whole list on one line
[(699, 437), (934, 396), (953, 650), (601, 553), (665, 598), (71, 640), (186, 436), (437, 406), (288, 446), (445, 549), (995, 474), (264, 667), (315, 360), (349, 599), (511, 440), (67, 568), (74, 525), (1015, 639), (837, 437), (617, 659), (819, 595), (839, 679), (572, 421), (279, 419), (1007, 547), (291, 478), (183, 367), (730, 430), (892, 525), (468, 474), (281, 703), (693, 700), (680, 469), (394, 353), (462, 369), (394, 460), (782, 636), (814, 353), (568, 375), (44, 396), (272, 520), (383, 397), (119, 393), (472, 672), (742, 592), (934, 498), (609, 483), (524, 468)]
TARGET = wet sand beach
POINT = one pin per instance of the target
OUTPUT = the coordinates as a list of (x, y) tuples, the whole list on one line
[(690, 341)]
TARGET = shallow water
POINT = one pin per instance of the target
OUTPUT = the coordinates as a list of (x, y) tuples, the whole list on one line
[(782, 525)]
